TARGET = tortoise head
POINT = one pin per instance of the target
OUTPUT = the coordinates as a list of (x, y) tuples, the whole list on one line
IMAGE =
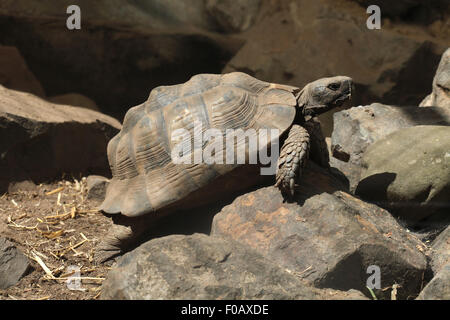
[(324, 94)]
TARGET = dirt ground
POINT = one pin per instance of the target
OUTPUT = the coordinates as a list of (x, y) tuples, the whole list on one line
[(58, 228)]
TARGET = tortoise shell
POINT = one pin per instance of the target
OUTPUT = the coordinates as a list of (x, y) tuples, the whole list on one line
[(145, 179)]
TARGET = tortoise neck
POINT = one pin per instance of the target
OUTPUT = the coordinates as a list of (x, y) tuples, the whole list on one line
[(299, 116)]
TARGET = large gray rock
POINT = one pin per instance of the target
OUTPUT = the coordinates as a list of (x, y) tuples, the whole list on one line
[(203, 267), (408, 172), (440, 251), (357, 128), (40, 140), (439, 287), (440, 96), (328, 239), (13, 264)]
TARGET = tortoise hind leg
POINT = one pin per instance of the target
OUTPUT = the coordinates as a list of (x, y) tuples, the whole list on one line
[(111, 246), (123, 236), (293, 157)]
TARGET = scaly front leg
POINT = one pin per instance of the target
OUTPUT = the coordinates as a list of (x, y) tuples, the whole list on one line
[(293, 156)]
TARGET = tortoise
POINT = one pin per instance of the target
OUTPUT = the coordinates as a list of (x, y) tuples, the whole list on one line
[(147, 183)]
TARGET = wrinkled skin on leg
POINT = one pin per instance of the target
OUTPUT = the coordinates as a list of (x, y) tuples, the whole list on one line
[(122, 236), (110, 246)]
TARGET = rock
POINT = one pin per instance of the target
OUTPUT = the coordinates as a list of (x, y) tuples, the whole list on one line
[(418, 11), (40, 140), (328, 239), (208, 268), (440, 97), (96, 187), (440, 253), (233, 15), (438, 288), (76, 100), (357, 128), (291, 44), (17, 186), (326, 121), (13, 264), (123, 50), (212, 15), (173, 12), (14, 72), (408, 172)]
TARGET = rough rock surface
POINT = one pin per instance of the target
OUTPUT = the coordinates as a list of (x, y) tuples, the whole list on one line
[(438, 288), (358, 127), (329, 239), (200, 14), (440, 253), (133, 46), (18, 186), (123, 49), (440, 96), (296, 42), (40, 140), (13, 264), (418, 10), (15, 74), (233, 15), (408, 172), (203, 267)]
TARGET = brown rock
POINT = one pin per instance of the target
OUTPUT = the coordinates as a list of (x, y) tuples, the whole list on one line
[(416, 10), (440, 97), (15, 74), (17, 186), (328, 239), (438, 288), (233, 15), (203, 267), (40, 140), (296, 42), (440, 253), (123, 50)]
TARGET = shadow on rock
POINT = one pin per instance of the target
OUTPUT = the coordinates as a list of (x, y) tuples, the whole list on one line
[(374, 188)]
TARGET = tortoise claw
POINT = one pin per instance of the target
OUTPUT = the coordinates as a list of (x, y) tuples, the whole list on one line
[(291, 186)]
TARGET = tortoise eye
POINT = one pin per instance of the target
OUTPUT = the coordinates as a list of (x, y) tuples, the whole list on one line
[(334, 86)]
